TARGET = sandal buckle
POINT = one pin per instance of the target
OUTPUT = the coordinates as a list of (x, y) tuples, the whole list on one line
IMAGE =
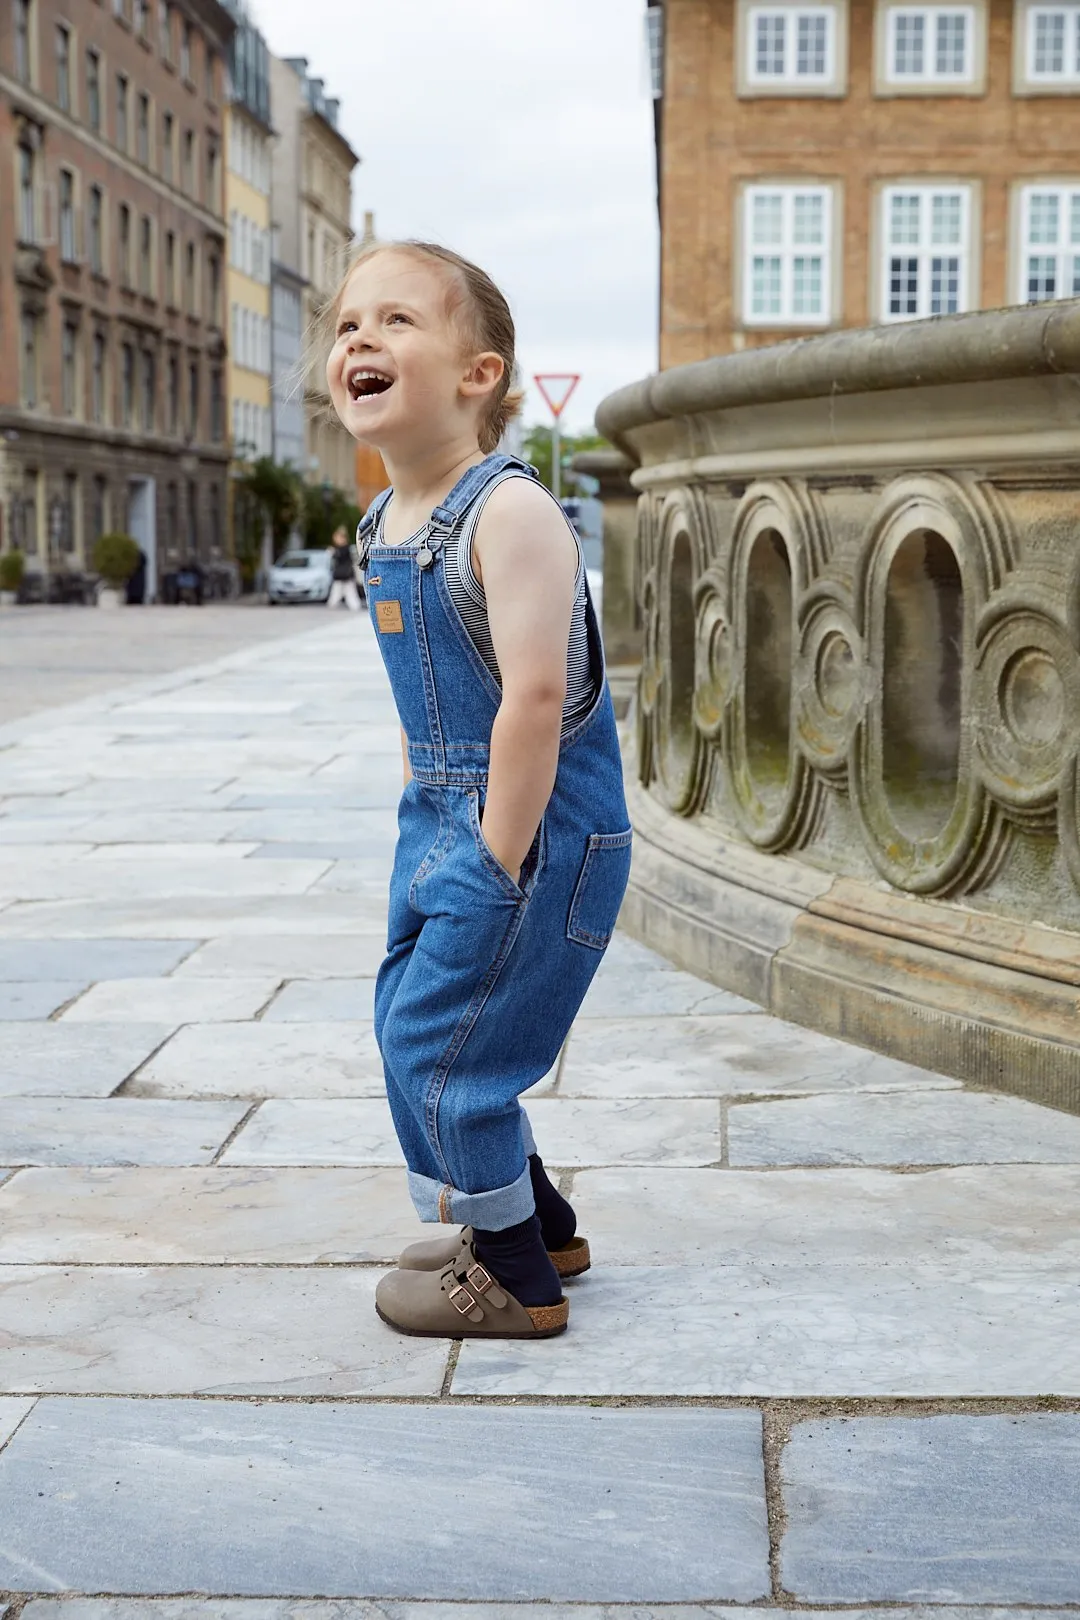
[(457, 1295), (479, 1278)]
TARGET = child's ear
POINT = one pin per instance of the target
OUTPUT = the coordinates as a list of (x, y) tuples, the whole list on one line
[(484, 373)]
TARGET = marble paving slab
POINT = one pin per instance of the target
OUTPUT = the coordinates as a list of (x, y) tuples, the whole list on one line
[(105, 856), (315, 825), (618, 992), (938, 1127), (197, 1608), (289, 1130), (73, 1060), (205, 1216), (974, 1215), (113, 1130), (139, 879), (238, 1498), (33, 959), (374, 856), (290, 956), (572, 1131), (369, 878), (21, 1001), (800, 1331), (727, 1055), (193, 917), (309, 1001), (947, 1509), (54, 832), (13, 1409), (173, 1001), (161, 822), (201, 1330), (267, 1059)]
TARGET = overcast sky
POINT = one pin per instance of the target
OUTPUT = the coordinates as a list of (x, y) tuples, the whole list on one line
[(518, 132)]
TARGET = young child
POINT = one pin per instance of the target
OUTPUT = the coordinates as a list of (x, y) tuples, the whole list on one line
[(514, 842)]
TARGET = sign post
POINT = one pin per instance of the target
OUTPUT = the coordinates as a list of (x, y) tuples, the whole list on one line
[(561, 385)]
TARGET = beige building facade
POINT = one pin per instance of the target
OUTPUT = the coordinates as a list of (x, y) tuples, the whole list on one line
[(248, 170)]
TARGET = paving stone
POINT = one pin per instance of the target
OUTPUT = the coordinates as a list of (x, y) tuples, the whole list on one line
[(358, 851), (316, 826), (73, 1060), (173, 1001), (138, 878), (267, 1060), (621, 992), (34, 959), (130, 1495), (946, 1509), (299, 1131), (12, 1411), (804, 1331), (155, 825), (727, 1055), (21, 1001), (939, 1127), (369, 878), (196, 1608), (975, 1215), (191, 917), (309, 1001), (51, 831), (576, 1131), (229, 1330), (106, 855), (293, 956), (205, 1216), (113, 1130)]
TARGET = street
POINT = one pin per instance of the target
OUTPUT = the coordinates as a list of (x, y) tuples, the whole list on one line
[(827, 1352)]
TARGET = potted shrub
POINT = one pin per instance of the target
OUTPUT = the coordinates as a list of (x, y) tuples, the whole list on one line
[(12, 568), (115, 558)]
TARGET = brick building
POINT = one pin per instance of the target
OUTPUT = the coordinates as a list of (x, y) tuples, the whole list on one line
[(112, 278), (848, 162)]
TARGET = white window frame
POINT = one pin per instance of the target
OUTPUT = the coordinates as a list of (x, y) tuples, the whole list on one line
[(1061, 251), (924, 249), (789, 77), (787, 251), (931, 16), (1070, 75)]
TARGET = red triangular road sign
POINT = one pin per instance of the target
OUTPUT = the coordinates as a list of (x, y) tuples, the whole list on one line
[(556, 387)]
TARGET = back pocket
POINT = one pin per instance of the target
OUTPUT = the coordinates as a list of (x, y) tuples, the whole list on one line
[(600, 888)]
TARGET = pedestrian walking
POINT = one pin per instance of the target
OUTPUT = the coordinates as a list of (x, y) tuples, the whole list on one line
[(343, 587), (514, 843)]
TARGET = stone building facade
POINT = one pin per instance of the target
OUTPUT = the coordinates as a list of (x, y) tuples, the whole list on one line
[(837, 163), (112, 290), (312, 177)]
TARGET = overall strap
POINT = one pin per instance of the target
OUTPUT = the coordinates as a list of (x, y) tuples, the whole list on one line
[(445, 519), (366, 527)]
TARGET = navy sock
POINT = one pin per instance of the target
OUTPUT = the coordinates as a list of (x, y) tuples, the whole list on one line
[(557, 1218), (517, 1258)]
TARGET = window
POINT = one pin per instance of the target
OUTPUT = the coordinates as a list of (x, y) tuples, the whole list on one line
[(185, 50), (67, 216), (212, 174), (122, 111), (96, 211), (214, 268), (170, 269), (168, 137), (93, 90), (141, 13), (211, 74), (1053, 44), (190, 281), (787, 235), (654, 44), (98, 377), (1050, 237), (27, 194), (149, 391), (193, 400), (188, 179), (69, 508), (146, 257), (217, 407), (215, 520), (142, 130), (172, 518), (99, 508), (24, 41), (791, 47), (63, 67), (69, 366), (172, 389), (930, 45), (30, 345), (192, 519), (127, 384), (165, 29), (125, 245), (926, 235)]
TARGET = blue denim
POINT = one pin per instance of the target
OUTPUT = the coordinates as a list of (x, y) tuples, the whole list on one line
[(483, 974)]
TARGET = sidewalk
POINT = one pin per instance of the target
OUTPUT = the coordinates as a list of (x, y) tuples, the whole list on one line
[(829, 1352)]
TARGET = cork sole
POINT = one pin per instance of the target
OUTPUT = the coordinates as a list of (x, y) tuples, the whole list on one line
[(573, 1258), (549, 1320)]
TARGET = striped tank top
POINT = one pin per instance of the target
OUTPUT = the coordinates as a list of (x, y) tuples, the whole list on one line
[(467, 595)]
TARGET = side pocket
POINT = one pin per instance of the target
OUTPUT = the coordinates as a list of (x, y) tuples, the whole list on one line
[(605, 871)]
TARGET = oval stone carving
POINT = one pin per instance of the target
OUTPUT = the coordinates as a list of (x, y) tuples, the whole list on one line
[(1028, 686)]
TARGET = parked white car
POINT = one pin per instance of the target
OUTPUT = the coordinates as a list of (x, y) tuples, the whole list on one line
[(300, 576)]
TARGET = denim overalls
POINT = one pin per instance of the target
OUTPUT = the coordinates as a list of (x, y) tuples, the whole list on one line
[(482, 978)]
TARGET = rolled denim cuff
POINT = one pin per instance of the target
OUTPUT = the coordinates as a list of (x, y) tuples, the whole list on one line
[(528, 1140), (491, 1211)]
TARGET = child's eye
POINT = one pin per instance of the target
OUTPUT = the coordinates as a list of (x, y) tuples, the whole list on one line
[(398, 315), (345, 326)]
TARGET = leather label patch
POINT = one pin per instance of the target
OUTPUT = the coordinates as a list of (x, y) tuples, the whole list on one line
[(388, 618)]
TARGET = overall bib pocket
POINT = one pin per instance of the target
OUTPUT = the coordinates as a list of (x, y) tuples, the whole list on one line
[(605, 870)]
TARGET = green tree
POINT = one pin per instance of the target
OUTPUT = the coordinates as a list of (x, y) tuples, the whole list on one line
[(324, 510), (536, 447)]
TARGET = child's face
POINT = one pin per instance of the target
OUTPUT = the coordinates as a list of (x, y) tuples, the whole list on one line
[(393, 321)]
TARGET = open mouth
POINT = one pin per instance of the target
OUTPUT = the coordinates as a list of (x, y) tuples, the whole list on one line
[(364, 383)]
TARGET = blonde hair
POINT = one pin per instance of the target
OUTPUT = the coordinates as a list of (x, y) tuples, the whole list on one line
[(475, 306)]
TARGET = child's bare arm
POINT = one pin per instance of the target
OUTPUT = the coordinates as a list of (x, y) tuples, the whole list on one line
[(527, 560), (406, 768)]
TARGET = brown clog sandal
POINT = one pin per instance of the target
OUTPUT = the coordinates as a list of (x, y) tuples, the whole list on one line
[(463, 1302), (435, 1254)]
